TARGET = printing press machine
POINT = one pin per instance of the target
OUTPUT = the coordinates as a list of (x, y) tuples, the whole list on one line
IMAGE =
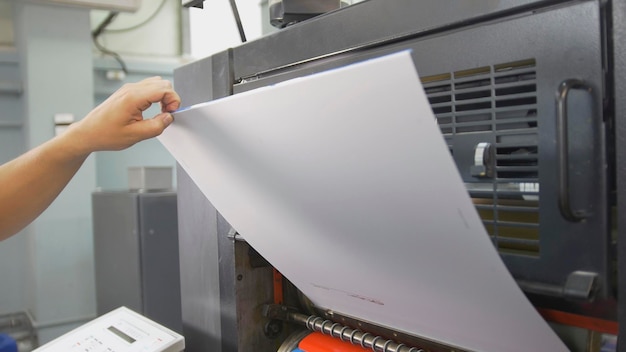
[(530, 98)]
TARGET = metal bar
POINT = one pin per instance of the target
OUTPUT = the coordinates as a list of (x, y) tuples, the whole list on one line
[(470, 112), (462, 102), (516, 84), (444, 115), (501, 193), (514, 96), (517, 168), (517, 157), (438, 87), (511, 240), (540, 288), (507, 208), (356, 337), (408, 36), (438, 94), (532, 131), (473, 89), (479, 77), (516, 72), (500, 109), (502, 223), (618, 60), (336, 330), (502, 240), (519, 180), (516, 145), (498, 123), (439, 105)]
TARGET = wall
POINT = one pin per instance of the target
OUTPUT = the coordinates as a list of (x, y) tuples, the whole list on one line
[(12, 259), (48, 269), (6, 25), (213, 28), (111, 167), (59, 278), (48, 65), (154, 31)]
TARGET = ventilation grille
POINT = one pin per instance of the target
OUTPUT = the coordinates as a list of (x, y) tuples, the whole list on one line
[(500, 100)]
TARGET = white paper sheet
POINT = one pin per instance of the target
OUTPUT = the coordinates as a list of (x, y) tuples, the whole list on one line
[(343, 182)]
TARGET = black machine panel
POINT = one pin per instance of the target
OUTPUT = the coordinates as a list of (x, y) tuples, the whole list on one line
[(523, 93), (520, 102)]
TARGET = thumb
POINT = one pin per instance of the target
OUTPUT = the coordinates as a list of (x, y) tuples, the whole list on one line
[(149, 128)]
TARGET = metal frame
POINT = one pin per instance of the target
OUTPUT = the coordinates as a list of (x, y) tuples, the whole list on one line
[(566, 236), (290, 53), (618, 65)]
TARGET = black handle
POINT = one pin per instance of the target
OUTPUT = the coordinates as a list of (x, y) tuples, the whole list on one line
[(562, 145)]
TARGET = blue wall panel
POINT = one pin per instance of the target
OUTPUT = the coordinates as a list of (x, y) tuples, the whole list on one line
[(12, 251)]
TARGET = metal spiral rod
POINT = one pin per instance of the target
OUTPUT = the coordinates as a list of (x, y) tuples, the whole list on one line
[(333, 329), (356, 337)]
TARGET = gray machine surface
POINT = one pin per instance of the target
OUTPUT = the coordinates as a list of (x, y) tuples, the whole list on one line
[(531, 86), (619, 90), (136, 254)]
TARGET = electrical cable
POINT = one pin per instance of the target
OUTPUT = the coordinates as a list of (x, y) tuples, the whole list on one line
[(98, 31), (113, 54), (107, 21), (140, 24), (233, 6)]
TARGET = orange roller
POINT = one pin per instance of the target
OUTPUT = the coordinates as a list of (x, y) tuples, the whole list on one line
[(317, 342)]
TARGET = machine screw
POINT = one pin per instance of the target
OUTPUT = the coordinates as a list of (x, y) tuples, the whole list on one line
[(273, 328)]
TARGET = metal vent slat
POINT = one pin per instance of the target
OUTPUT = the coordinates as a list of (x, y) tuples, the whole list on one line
[(531, 131), (473, 89), (517, 108), (444, 115), (473, 112), (500, 193), (530, 70), (515, 96), (473, 123), (498, 101), (514, 180), (510, 223), (473, 101), (517, 241), (476, 80), (438, 105), (515, 145), (508, 208), (516, 157), (516, 168), (516, 120), (515, 84), (438, 94)]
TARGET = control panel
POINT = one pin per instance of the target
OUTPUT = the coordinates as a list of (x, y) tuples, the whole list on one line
[(120, 330)]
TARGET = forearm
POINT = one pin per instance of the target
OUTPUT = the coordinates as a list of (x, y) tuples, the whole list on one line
[(29, 183)]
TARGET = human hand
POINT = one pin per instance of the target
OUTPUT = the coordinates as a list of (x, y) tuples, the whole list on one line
[(118, 122)]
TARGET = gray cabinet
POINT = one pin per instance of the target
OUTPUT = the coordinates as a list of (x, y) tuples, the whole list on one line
[(136, 254)]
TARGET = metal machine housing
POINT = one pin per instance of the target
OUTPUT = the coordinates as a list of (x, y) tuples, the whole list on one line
[(526, 97)]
